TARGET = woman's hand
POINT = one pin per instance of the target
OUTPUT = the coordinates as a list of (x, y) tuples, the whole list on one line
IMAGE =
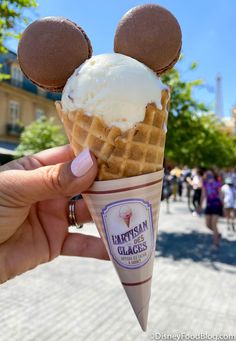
[(34, 193)]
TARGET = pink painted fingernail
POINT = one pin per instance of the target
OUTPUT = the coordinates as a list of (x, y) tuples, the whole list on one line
[(82, 163)]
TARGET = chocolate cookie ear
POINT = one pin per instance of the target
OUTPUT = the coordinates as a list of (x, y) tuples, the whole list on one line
[(50, 50), (150, 34)]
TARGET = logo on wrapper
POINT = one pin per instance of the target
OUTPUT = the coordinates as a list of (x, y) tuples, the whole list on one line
[(126, 214), (128, 226)]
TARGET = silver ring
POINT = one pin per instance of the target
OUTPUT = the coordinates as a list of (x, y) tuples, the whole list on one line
[(72, 214)]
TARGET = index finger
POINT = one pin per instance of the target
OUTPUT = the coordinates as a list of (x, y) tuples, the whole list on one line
[(47, 157), (55, 155)]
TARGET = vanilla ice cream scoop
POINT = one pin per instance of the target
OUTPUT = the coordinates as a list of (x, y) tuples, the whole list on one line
[(115, 87)]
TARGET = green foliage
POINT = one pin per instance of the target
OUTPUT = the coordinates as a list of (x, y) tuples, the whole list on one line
[(12, 17), (195, 137), (193, 66), (3, 75), (217, 147), (39, 135)]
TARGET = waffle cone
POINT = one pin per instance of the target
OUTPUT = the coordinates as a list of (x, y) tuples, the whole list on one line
[(137, 151)]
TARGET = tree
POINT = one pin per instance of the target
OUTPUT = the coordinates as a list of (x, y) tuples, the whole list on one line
[(39, 135), (215, 147), (12, 17), (11, 20), (195, 137)]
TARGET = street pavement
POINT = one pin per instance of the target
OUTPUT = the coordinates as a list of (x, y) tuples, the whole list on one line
[(75, 299)]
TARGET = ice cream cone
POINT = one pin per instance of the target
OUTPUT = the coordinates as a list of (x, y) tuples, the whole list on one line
[(132, 248), (127, 220), (125, 207), (116, 105), (126, 214), (137, 151)]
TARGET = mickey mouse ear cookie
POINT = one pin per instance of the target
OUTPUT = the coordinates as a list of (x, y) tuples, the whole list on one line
[(50, 50), (150, 34)]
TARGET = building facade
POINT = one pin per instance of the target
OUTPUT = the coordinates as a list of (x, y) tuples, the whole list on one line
[(21, 101), (230, 122), (234, 119)]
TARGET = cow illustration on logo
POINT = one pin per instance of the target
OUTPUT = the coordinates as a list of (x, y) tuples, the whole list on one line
[(125, 213)]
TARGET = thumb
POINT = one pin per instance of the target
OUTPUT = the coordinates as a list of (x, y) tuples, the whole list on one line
[(60, 180)]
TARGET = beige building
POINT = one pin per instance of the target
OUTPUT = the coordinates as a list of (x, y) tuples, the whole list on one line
[(21, 102), (230, 123), (234, 119)]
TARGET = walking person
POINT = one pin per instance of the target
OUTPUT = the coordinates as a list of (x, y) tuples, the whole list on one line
[(188, 181), (233, 177), (166, 189), (175, 173), (180, 185), (174, 186), (229, 202), (211, 193), (197, 191)]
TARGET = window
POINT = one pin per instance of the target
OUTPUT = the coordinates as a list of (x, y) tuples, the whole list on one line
[(14, 112), (39, 113), (16, 75)]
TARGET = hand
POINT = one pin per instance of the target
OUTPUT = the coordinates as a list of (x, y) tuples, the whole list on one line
[(33, 210)]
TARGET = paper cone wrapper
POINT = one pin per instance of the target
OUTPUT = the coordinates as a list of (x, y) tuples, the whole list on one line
[(126, 214)]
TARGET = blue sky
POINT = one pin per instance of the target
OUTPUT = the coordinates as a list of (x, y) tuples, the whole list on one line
[(208, 27)]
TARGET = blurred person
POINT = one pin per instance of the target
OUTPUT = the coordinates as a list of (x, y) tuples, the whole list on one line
[(175, 173), (186, 171), (35, 212), (211, 193), (167, 189), (229, 202), (196, 182), (174, 186), (234, 179), (180, 181), (188, 181)]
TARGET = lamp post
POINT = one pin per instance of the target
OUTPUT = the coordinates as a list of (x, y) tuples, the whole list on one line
[(219, 98)]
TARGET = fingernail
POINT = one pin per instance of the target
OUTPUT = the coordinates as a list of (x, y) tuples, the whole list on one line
[(82, 163)]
